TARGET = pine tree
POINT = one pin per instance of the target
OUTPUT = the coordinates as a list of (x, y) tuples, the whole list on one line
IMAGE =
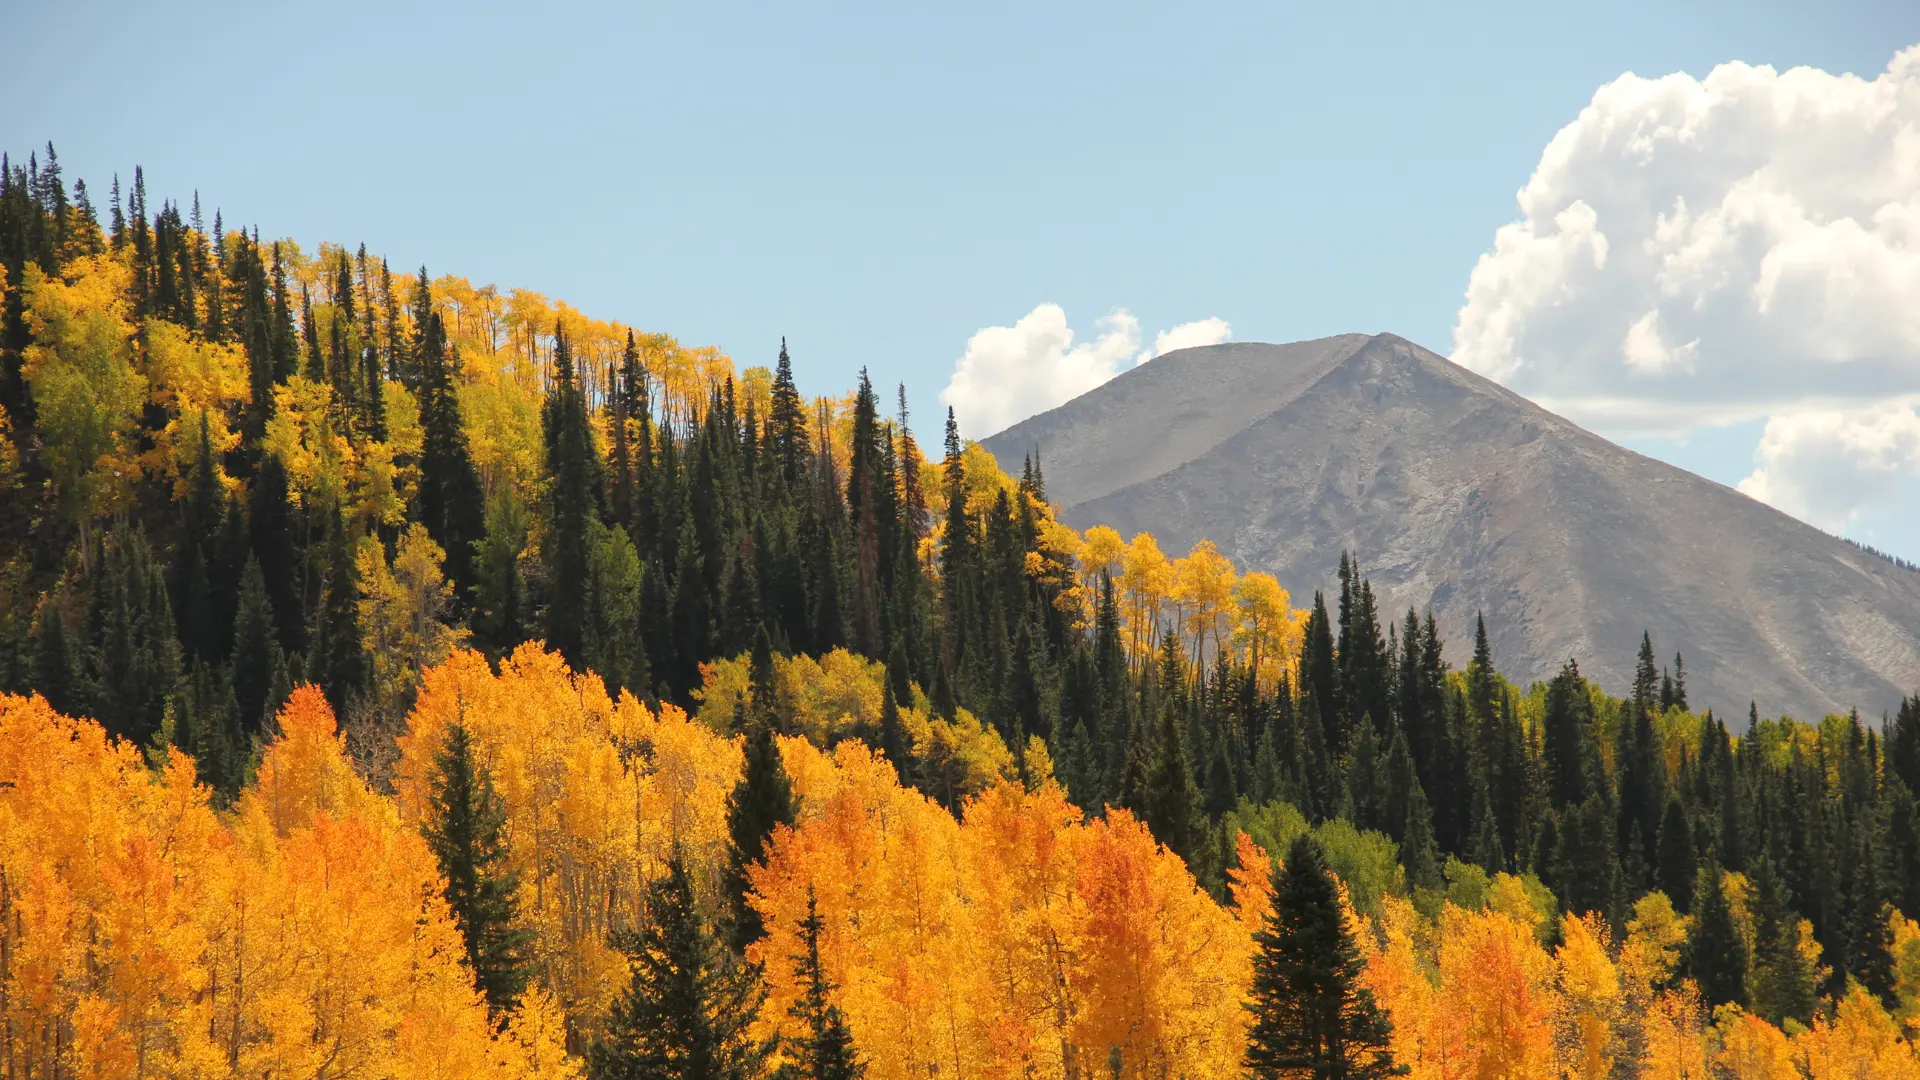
[(340, 661), (892, 737), (762, 800), (451, 505), (255, 652), (689, 1008), (1172, 800), (1312, 1018), (56, 670), (1418, 854), (1782, 981), (1676, 860), (575, 473), (1716, 951), (826, 1051), (271, 526), (787, 423), (465, 830), (499, 592)]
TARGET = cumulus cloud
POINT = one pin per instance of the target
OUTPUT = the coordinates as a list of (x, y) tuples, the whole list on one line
[(1189, 335), (1707, 251), (1009, 373), (1826, 466)]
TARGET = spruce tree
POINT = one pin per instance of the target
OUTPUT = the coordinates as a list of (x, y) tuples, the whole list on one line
[(340, 662), (256, 652), (271, 527), (825, 1051), (1783, 983), (1418, 854), (1716, 952), (574, 471), (1675, 861), (465, 831), (1311, 1016), (451, 504), (689, 1007), (761, 800), (892, 736), (1171, 801)]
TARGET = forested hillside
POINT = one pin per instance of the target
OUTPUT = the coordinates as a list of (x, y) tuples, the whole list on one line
[(413, 678)]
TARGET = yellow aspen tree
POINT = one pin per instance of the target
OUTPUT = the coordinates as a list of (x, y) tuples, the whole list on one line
[(1590, 998), (1751, 1048), (1859, 1040), (1496, 987), (1203, 584), (1146, 583)]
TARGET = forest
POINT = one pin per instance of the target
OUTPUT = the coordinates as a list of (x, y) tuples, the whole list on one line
[(401, 677)]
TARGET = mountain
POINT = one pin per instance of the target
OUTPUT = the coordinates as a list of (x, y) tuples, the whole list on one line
[(1458, 495)]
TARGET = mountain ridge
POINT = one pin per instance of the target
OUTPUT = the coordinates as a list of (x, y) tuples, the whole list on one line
[(1459, 495)]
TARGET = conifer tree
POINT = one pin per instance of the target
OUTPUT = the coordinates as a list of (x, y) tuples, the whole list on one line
[(271, 528), (689, 1008), (1783, 983), (1676, 859), (451, 504), (574, 469), (255, 652), (892, 736), (1312, 1019), (826, 1050), (499, 592), (340, 661), (466, 832), (762, 800), (787, 423), (1716, 951), (56, 670), (1171, 800)]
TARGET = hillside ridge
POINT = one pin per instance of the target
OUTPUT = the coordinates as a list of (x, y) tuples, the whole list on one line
[(1460, 496)]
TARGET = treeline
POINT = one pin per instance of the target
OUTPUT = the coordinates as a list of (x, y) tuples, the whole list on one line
[(233, 468)]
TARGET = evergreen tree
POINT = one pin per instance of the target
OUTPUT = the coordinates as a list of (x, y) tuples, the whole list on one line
[(1716, 952), (1676, 860), (1418, 854), (451, 504), (340, 659), (689, 1008), (574, 469), (826, 1051), (1312, 1017), (1171, 801), (891, 739), (466, 829), (1782, 981), (56, 670), (1573, 763), (761, 800), (272, 529), (255, 651), (499, 592), (787, 437)]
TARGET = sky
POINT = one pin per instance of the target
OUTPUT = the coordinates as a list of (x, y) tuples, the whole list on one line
[(1003, 205)]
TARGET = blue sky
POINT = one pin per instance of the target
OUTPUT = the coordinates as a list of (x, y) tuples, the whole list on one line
[(878, 183)]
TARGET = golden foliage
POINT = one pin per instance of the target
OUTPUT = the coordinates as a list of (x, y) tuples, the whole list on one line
[(597, 792), (1019, 940), (146, 934)]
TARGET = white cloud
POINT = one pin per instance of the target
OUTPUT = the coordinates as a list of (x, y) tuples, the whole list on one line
[(1706, 251), (1188, 336), (1009, 373), (1827, 466)]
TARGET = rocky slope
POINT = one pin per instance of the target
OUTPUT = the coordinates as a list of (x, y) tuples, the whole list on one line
[(1460, 496)]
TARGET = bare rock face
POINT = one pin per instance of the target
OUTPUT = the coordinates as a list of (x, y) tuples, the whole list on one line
[(1457, 496)]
